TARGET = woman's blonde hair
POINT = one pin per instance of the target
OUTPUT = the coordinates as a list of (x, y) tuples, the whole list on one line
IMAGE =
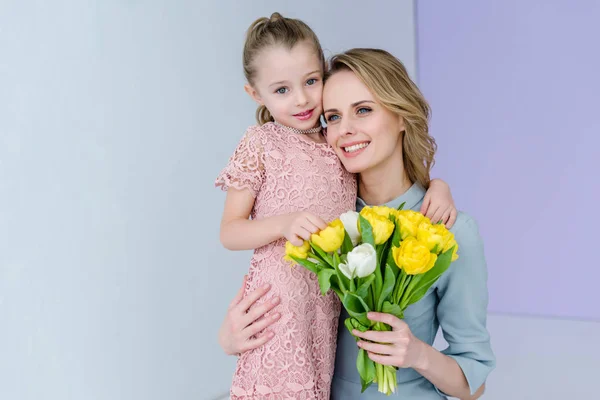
[(276, 30), (387, 78)]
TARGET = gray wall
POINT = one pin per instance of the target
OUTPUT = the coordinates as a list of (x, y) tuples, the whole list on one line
[(115, 118)]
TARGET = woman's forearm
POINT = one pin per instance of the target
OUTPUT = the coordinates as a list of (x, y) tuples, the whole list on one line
[(444, 373)]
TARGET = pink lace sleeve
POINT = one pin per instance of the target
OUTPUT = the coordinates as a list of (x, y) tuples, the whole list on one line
[(245, 169)]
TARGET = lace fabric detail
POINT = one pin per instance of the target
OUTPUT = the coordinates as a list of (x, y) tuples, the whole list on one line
[(246, 167), (286, 173)]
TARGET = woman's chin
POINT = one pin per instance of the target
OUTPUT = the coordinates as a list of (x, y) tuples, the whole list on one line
[(353, 167)]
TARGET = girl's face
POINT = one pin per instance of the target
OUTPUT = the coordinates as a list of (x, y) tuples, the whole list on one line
[(290, 84), (363, 133)]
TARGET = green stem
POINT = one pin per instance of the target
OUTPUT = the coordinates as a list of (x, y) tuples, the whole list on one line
[(402, 292), (385, 381), (391, 378)]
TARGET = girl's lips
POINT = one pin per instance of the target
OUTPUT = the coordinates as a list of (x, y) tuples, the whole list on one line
[(303, 116)]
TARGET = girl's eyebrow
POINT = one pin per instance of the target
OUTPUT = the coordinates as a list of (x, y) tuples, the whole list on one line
[(282, 82)]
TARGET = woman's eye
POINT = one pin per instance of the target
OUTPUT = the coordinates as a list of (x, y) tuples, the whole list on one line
[(311, 81), (281, 90), (332, 118), (363, 110)]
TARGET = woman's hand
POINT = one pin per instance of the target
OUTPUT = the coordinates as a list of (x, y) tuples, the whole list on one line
[(398, 347), (243, 330)]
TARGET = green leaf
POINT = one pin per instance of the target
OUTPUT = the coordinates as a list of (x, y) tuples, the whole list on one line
[(358, 325), (342, 279), (385, 252), (421, 283), (349, 327), (352, 286), (401, 206), (366, 369), (316, 256), (393, 309), (311, 266), (396, 235), (352, 323), (366, 231), (336, 287), (357, 308), (379, 250), (347, 243), (321, 253), (324, 277), (363, 289), (392, 263), (388, 286), (400, 289), (378, 277)]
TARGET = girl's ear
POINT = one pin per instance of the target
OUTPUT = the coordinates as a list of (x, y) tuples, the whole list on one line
[(253, 93)]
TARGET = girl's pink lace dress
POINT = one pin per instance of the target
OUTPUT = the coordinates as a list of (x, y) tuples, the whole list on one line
[(288, 172)]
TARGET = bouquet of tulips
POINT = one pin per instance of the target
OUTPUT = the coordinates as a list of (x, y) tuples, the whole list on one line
[(381, 259)]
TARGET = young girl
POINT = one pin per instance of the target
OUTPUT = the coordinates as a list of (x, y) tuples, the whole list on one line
[(290, 183)]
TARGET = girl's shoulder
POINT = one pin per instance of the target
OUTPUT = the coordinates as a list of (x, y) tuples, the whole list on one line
[(267, 134), (268, 130)]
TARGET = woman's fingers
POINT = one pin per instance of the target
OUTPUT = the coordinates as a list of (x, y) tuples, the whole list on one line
[(260, 310)]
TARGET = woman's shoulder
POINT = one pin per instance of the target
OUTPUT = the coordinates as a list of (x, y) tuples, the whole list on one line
[(465, 226), (470, 269)]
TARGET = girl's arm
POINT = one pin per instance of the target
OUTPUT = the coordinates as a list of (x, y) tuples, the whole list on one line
[(238, 232), (438, 204)]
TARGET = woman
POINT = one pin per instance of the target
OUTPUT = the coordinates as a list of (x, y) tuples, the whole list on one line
[(370, 101)]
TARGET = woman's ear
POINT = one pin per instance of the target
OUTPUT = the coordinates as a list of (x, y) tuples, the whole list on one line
[(401, 124)]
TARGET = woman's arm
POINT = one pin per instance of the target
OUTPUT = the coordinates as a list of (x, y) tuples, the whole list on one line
[(240, 233), (461, 369), (403, 350), (244, 329), (445, 373)]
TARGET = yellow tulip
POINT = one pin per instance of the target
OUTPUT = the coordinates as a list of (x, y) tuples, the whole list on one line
[(413, 257), (450, 244), (409, 222), (382, 226), (296, 251), (384, 211), (330, 238), (433, 236)]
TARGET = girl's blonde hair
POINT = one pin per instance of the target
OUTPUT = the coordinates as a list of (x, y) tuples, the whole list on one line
[(267, 32), (387, 78)]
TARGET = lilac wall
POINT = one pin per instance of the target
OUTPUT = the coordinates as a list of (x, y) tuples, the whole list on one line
[(515, 92)]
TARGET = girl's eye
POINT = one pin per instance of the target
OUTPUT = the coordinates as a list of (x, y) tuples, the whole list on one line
[(332, 118), (281, 90), (363, 110), (311, 81)]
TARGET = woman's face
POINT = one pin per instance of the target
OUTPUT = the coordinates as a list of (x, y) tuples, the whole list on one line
[(363, 133)]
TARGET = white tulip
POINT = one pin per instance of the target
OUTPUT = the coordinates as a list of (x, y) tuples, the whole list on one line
[(362, 261), (345, 268), (350, 221)]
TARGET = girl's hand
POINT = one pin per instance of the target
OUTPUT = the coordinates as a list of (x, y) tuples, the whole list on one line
[(438, 204), (299, 226)]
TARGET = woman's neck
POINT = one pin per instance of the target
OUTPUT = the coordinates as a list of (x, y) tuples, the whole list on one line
[(385, 182)]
